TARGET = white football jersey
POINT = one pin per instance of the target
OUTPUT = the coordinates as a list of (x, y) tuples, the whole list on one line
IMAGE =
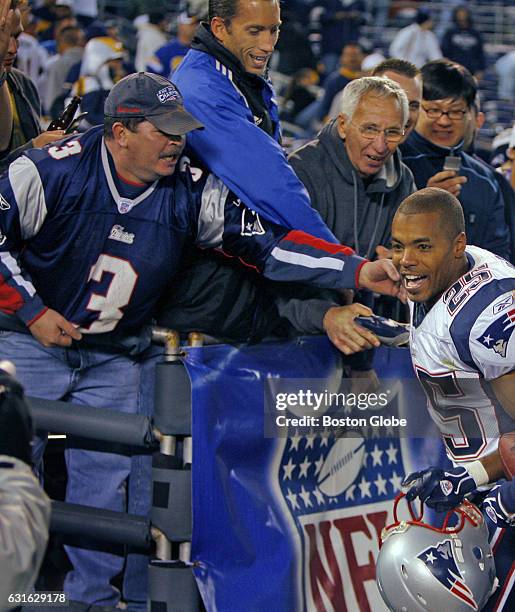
[(465, 340)]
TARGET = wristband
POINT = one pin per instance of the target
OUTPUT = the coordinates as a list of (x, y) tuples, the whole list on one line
[(478, 473)]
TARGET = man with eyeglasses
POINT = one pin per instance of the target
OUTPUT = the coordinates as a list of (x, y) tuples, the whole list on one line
[(434, 152), (356, 180)]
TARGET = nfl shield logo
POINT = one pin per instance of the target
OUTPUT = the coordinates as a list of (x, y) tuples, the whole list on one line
[(124, 206), (446, 487)]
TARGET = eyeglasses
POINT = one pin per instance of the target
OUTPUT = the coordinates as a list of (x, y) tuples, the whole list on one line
[(436, 113), (371, 132)]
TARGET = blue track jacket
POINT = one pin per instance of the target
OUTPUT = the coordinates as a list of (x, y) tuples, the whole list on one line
[(249, 161)]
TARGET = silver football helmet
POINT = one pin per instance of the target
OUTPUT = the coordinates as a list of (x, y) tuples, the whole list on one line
[(426, 568)]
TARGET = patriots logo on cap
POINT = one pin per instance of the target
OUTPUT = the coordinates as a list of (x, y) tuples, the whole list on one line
[(168, 93), (440, 561), (498, 334)]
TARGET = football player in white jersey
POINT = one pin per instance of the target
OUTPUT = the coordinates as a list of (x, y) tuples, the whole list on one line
[(462, 304)]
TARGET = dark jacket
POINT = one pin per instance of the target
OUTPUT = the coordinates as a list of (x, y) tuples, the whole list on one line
[(464, 46), (218, 297), (336, 33), (508, 195), (480, 196), (28, 106)]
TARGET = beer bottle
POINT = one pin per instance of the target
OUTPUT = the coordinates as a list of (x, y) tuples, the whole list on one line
[(65, 119)]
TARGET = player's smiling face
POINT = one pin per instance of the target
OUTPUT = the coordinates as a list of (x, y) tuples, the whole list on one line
[(154, 154), (428, 260), (252, 34)]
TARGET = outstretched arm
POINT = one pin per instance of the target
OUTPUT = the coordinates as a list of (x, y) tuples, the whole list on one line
[(223, 222)]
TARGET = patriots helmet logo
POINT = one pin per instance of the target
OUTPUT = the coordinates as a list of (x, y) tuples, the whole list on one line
[(440, 561), (498, 334)]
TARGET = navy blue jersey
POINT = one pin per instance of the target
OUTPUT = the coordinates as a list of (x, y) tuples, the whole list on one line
[(167, 58), (70, 242)]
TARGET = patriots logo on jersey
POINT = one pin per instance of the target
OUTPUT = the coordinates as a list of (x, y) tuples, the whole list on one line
[(251, 223), (440, 561), (4, 204), (498, 334)]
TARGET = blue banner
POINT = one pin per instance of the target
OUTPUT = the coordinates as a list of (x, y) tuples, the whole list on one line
[(291, 523)]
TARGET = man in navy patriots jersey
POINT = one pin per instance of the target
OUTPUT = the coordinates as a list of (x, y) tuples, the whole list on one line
[(463, 350), (92, 230)]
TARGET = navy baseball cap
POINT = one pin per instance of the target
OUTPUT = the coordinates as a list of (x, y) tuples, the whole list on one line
[(148, 95)]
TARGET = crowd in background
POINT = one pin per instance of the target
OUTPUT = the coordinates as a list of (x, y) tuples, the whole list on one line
[(83, 47)]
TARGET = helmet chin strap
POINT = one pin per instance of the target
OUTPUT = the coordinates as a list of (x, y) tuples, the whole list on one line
[(466, 511)]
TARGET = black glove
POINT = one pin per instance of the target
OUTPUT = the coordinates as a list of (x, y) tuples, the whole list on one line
[(15, 420)]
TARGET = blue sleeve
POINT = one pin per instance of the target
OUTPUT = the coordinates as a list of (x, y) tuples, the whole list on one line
[(251, 163), (23, 208), (280, 254), (288, 256)]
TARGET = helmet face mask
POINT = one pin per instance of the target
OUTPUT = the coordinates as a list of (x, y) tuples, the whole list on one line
[(425, 568)]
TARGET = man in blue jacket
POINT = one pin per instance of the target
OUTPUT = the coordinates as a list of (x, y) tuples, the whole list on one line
[(223, 80), (449, 91)]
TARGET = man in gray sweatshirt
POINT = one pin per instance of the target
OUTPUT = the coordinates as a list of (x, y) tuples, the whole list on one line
[(356, 180)]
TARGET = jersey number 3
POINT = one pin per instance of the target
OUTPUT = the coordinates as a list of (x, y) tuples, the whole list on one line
[(72, 147), (118, 293)]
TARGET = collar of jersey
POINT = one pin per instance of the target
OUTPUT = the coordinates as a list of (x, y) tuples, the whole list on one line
[(420, 309), (124, 205)]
